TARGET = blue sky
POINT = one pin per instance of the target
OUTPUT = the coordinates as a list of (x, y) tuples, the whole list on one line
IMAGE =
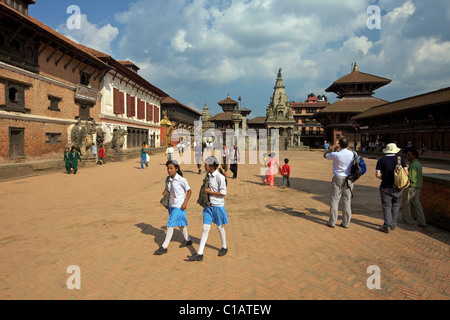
[(198, 51)]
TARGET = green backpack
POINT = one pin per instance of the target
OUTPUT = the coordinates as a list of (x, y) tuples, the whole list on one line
[(165, 200), (203, 198)]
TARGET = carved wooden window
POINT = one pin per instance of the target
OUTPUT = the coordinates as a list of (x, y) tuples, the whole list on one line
[(53, 138), (54, 103), (84, 79), (14, 97)]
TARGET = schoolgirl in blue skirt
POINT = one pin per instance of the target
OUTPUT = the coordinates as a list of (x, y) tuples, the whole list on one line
[(215, 213), (179, 195)]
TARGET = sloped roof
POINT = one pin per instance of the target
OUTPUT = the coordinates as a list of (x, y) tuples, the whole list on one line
[(170, 100), (257, 120), (353, 105), (223, 116), (228, 100), (117, 65), (49, 32), (427, 99)]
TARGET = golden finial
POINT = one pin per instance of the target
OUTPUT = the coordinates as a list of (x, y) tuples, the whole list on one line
[(355, 68)]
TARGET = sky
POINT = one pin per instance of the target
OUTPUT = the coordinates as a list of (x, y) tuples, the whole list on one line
[(199, 51)]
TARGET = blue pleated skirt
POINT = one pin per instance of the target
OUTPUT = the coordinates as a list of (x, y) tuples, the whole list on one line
[(216, 215), (177, 218)]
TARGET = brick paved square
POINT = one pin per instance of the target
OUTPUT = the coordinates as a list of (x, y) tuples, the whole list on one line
[(108, 221)]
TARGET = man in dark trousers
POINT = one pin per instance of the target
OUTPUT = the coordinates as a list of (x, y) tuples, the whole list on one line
[(391, 198)]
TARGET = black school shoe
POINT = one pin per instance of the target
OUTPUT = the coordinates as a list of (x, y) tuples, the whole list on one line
[(222, 252), (160, 251), (196, 257), (186, 243)]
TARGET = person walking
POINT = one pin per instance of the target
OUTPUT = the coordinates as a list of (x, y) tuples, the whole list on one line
[(391, 197), (411, 196), (67, 160), (225, 157), (101, 154), (286, 172), (341, 187), (215, 213), (235, 157), (273, 167), (169, 152), (179, 194), (144, 152), (198, 156), (74, 156), (94, 151)]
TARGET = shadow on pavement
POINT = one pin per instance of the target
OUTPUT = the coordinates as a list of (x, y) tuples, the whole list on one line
[(160, 236)]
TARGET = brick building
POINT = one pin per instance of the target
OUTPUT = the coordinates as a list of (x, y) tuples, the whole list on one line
[(48, 85), (423, 119), (311, 130), (181, 117), (130, 104)]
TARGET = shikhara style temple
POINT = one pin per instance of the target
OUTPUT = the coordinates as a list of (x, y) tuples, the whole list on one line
[(279, 117)]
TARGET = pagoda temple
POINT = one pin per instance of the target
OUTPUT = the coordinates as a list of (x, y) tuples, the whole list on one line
[(355, 93)]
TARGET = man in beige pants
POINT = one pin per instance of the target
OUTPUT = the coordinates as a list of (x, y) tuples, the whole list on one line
[(341, 188)]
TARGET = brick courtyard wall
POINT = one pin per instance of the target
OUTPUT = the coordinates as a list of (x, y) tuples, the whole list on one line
[(435, 199)]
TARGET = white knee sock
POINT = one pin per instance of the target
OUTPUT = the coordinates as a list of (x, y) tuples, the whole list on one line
[(205, 234), (169, 235), (223, 236), (185, 233)]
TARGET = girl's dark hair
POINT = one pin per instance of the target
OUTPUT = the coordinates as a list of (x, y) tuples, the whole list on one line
[(176, 165), (286, 160)]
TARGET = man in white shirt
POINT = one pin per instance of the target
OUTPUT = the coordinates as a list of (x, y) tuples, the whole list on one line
[(169, 152), (341, 187)]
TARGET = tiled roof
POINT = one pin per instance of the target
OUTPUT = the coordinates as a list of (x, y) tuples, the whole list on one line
[(49, 32), (227, 101), (361, 77), (170, 100), (257, 120), (117, 65), (223, 116), (353, 105), (431, 98)]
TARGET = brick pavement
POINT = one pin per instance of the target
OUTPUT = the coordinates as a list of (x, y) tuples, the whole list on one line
[(108, 221)]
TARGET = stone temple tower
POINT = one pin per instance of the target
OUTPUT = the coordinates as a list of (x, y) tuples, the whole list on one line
[(280, 115)]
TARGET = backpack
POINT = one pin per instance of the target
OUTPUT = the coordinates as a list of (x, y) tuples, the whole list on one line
[(358, 169), (401, 180), (165, 200), (203, 198)]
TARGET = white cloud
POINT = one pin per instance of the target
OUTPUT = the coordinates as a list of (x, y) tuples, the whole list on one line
[(207, 44), (91, 35), (179, 42)]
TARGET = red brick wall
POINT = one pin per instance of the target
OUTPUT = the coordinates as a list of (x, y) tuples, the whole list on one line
[(35, 138), (435, 199)]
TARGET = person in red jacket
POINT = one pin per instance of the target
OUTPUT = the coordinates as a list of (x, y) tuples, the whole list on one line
[(286, 172), (101, 154)]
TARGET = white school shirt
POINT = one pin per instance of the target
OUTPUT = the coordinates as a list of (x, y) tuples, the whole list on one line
[(217, 183), (179, 186), (170, 150), (342, 162)]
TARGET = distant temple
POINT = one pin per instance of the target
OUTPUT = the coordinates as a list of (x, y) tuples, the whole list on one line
[(279, 117), (355, 93)]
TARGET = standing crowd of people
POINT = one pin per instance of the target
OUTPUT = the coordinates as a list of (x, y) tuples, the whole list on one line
[(393, 197)]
